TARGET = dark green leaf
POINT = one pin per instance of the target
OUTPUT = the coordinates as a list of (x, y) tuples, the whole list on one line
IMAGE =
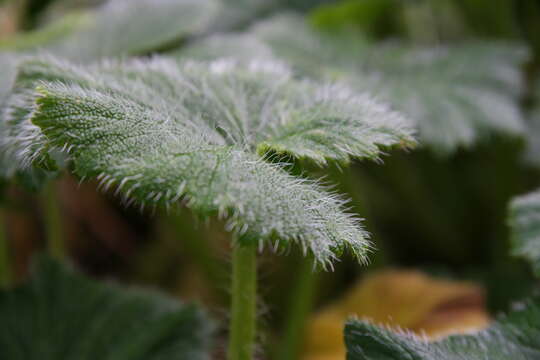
[(524, 219), (515, 336), (60, 314)]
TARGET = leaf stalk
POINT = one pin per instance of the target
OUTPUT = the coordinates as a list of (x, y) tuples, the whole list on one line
[(244, 303)]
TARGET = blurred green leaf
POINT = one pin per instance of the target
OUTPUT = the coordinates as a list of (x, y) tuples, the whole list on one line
[(48, 35), (532, 154), (375, 17), (455, 95), (431, 21), (515, 336), (524, 219), (120, 27), (223, 45), (60, 314), (532, 151), (8, 63)]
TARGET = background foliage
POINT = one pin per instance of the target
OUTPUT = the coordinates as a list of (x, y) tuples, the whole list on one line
[(463, 73)]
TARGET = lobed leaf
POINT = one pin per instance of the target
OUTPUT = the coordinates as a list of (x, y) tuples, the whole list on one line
[(158, 132), (524, 220), (516, 336), (60, 314)]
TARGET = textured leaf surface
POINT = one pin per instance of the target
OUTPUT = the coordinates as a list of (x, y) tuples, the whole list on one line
[(60, 314), (456, 96), (524, 219), (516, 336), (122, 27), (159, 131)]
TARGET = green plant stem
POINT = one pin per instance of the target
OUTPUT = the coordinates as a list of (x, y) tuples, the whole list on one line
[(244, 303), (301, 304), (53, 223), (5, 267)]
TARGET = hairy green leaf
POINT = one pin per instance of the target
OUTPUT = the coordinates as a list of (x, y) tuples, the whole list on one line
[(524, 220), (60, 314), (515, 336), (159, 131), (121, 27), (456, 95)]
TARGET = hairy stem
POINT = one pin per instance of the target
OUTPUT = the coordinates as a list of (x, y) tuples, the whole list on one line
[(53, 222), (300, 307), (5, 268), (244, 303)]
